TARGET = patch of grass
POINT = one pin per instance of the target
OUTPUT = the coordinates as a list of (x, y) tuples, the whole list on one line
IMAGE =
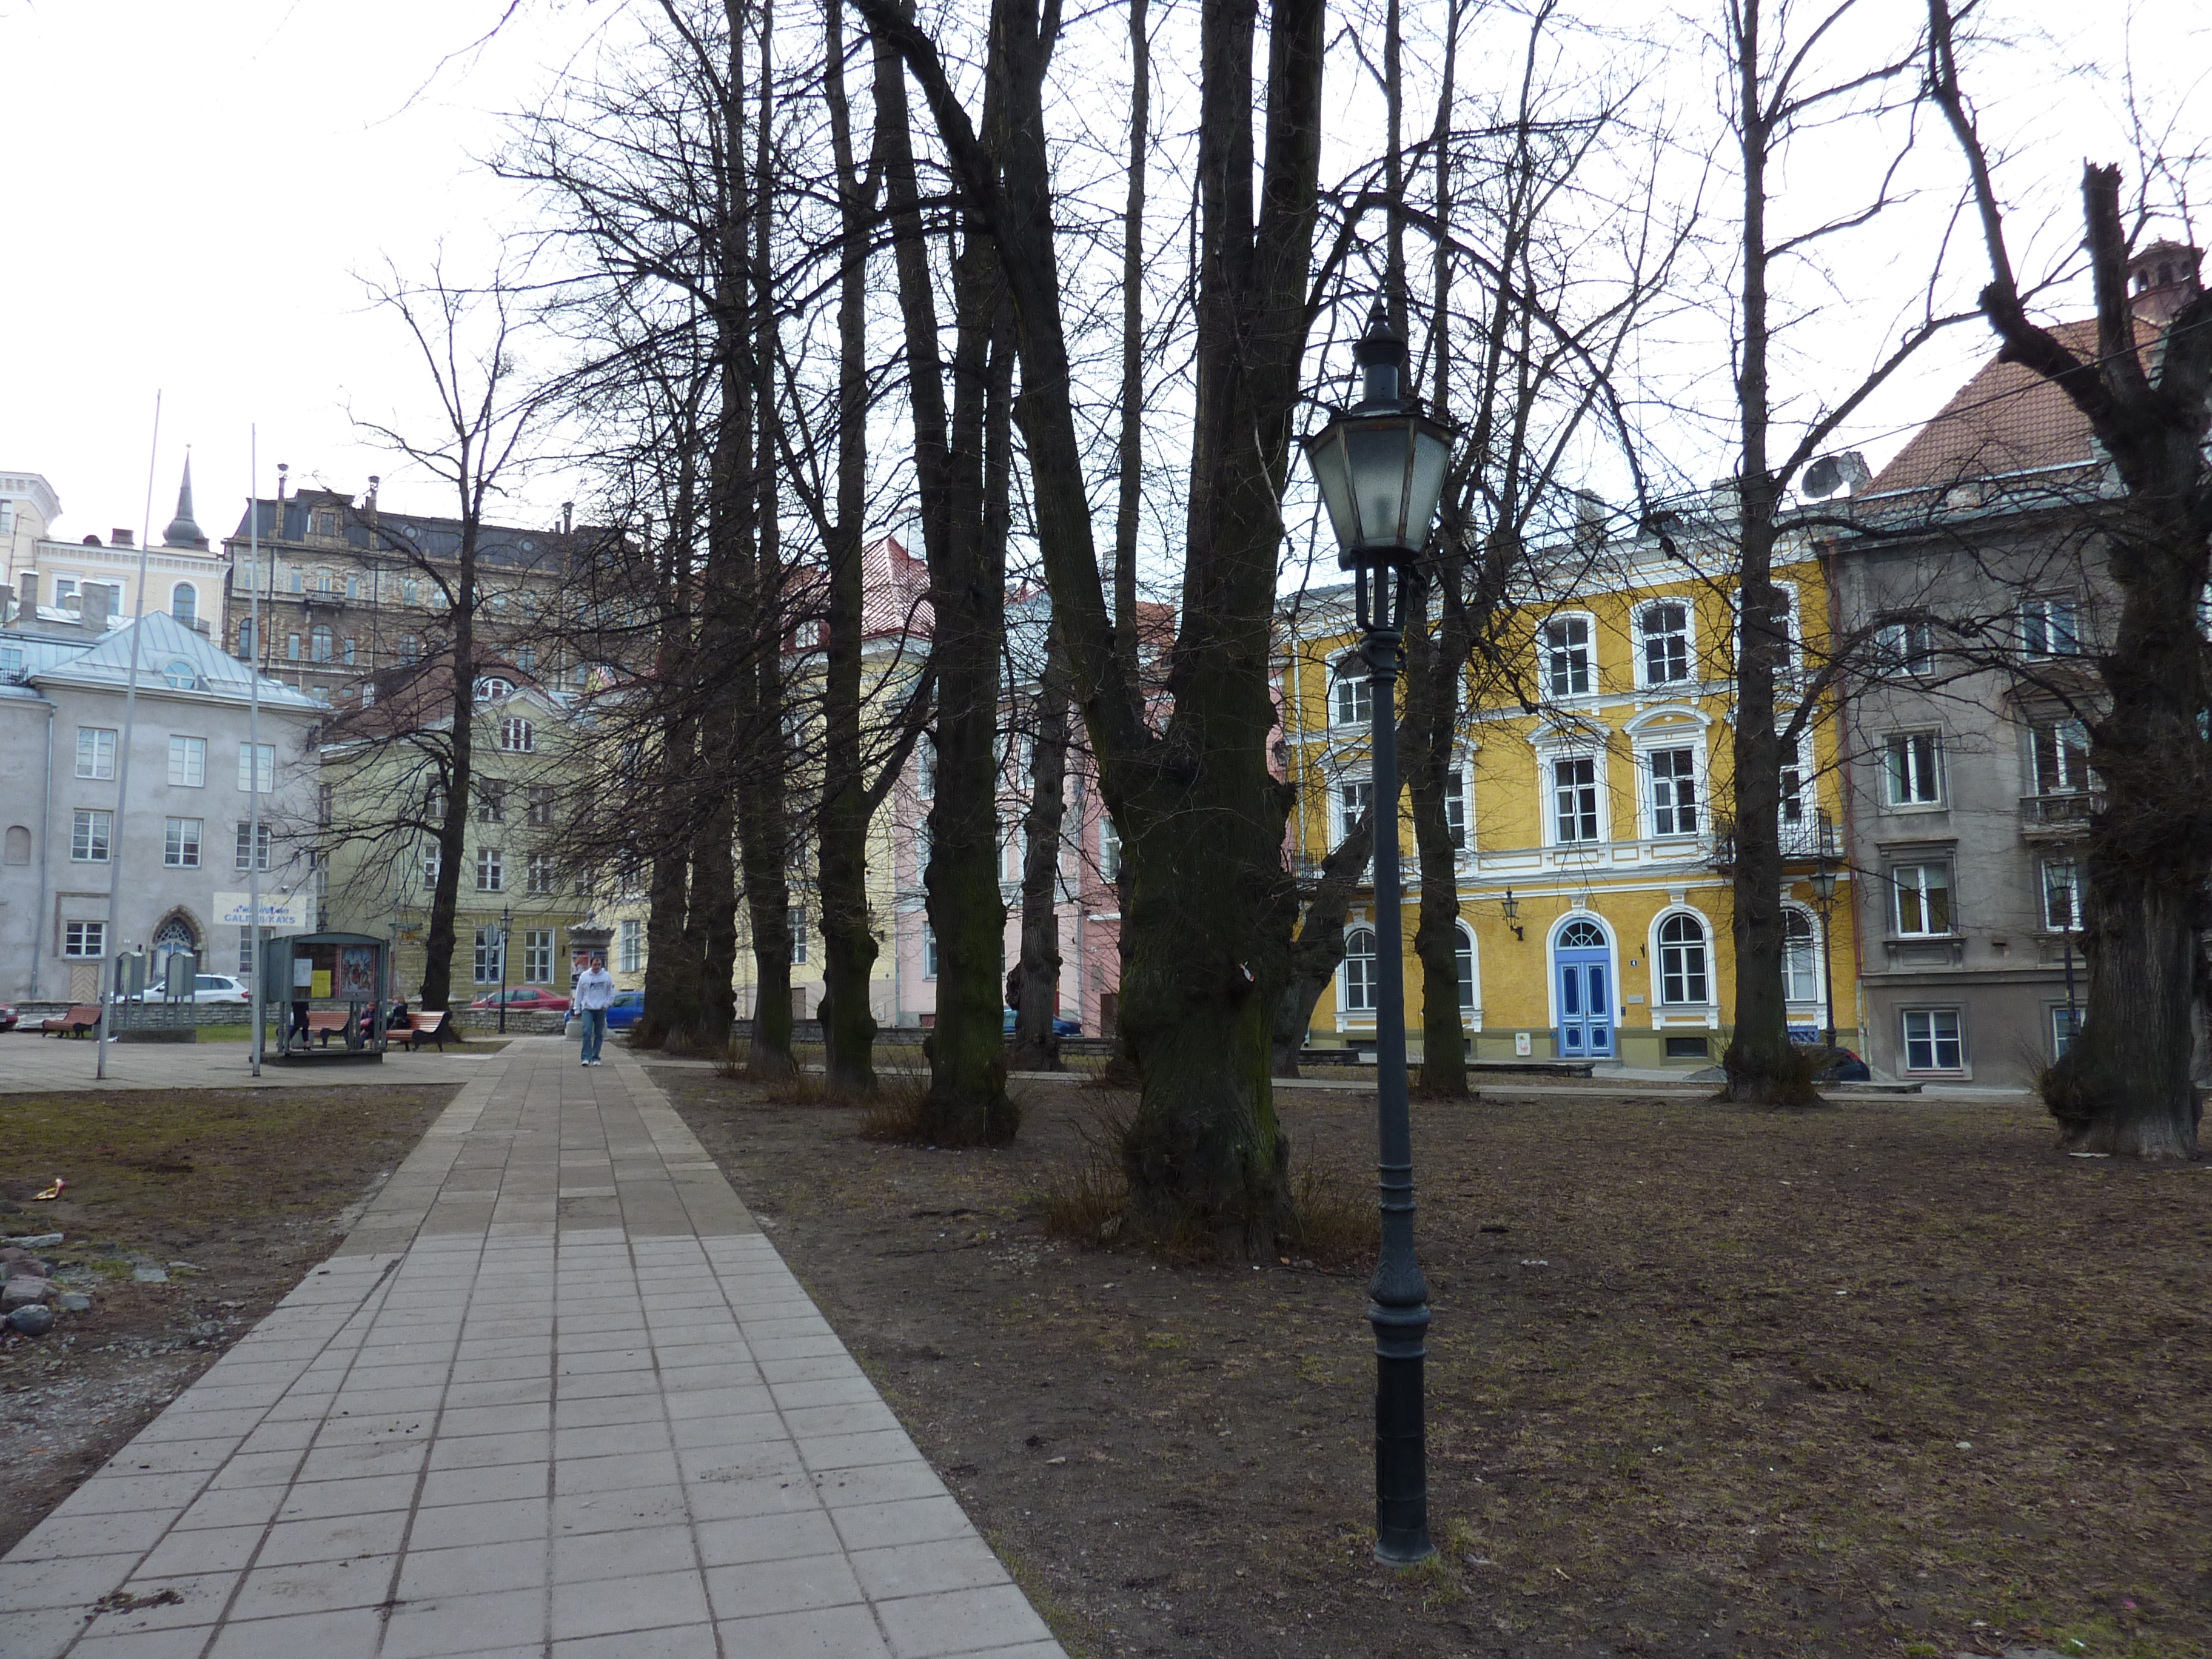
[(895, 1115), (1333, 1218), (1086, 1199)]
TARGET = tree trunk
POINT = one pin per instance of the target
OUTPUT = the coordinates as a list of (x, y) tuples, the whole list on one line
[(1435, 658), (1036, 1002), (848, 939), (1319, 949), (460, 774)]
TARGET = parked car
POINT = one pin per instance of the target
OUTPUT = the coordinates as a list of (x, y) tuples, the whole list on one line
[(206, 987), (8, 1017), (1061, 1027), (1837, 1064), (522, 998), (625, 1010)]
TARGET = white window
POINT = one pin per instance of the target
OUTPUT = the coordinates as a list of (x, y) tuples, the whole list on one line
[(180, 843), (1567, 657), (410, 647), (797, 919), (1905, 647), (320, 642), (187, 763), (1923, 899), (89, 835), (95, 751), (2061, 895), (2065, 1025), (2047, 628), (257, 772), (544, 871), (411, 591), (11, 661), (181, 675), (353, 586), (491, 956), (491, 870), (1463, 960), (431, 861), (1913, 762), (537, 956), (1358, 972), (491, 688), (1789, 811), (1683, 977), (1932, 1040), (1109, 850), (540, 797), (1455, 808), (491, 800), (1354, 798), (1801, 980), (292, 647), (629, 946), (1574, 798), (2061, 749), (1666, 631), (1354, 703), (245, 953), (250, 850), (84, 938), (929, 951), (517, 736), (1673, 791)]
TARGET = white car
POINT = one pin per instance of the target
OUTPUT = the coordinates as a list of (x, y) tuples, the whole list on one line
[(206, 987)]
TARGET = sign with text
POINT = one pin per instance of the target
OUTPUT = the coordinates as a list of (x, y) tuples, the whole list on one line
[(280, 913)]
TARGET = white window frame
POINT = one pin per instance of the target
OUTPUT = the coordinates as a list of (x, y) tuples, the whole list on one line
[(92, 835), (1905, 644), (2050, 626), (491, 870), (1934, 1041), (490, 957), (84, 941), (1109, 848), (1467, 953), (95, 752), (629, 946), (1913, 762), (2065, 1026), (1547, 650), (1812, 957), (518, 736), (242, 836), (1456, 817), (1645, 637), (187, 761), (1551, 760), (2066, 743), (1920, 890), (1648, 767), (537, 954), (795, 922), (1691, 962), (929, 951), (247, 768), (180, 842), (1356, 987), (1352, 701), (544, 873)]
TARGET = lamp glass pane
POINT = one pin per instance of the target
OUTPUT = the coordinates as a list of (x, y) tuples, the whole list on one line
[(1325, 455), (1425, 483), (1377, 455)]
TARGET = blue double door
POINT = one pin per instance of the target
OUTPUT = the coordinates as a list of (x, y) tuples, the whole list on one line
[(1583, 966)]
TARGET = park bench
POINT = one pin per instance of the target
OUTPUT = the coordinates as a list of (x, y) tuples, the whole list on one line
[(427, 1025), (81, 1018), (324, 1024)]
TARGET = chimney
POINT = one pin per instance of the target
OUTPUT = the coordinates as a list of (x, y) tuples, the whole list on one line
[(282, 467), (568, 517), (28, 587), (122, 538)]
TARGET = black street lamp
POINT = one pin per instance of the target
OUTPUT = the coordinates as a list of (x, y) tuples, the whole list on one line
[(1381, 469), (1823, 884), (506, 928)]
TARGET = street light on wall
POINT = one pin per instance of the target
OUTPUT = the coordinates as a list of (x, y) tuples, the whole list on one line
[(1511, 907), (1381, 469)]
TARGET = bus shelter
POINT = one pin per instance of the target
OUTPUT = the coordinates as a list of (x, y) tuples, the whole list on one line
[(325, 997)]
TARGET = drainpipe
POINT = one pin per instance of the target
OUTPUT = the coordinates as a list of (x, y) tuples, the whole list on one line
[(45, 831)]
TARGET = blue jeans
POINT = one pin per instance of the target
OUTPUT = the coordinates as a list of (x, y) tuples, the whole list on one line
[(595, 1031)]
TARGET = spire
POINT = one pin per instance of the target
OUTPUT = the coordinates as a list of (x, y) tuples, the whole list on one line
[(182, 530)]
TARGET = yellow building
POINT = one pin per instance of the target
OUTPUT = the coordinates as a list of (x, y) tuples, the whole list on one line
[(1594, 832)]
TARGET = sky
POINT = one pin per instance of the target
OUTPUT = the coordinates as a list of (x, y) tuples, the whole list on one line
[(200, 190)]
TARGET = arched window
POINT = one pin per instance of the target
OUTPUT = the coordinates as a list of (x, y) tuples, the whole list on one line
[(1683, 977), (1360, 972), (175, 936), (184, 603), (1463, 956), (320, 643), (181, 675), (1581, 936), (1800, 976)]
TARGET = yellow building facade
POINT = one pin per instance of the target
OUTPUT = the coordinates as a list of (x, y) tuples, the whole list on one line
[(1590, 801)]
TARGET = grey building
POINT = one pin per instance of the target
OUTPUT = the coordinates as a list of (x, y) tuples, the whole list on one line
[(1975, 588), (181, 840)]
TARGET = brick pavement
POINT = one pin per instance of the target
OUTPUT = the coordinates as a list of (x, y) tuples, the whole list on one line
[(556, 1395)]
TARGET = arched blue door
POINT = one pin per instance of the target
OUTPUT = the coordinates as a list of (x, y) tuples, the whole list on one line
[(1582, 968)]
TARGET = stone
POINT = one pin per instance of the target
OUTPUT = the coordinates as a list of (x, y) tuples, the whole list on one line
[(31, 1319), (21, 1292), (151, 1275), (73, 1302), (36, 1241), (26, 1266), (13, 1253)]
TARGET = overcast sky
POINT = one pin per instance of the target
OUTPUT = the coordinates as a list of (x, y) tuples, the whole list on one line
[(196, 189)]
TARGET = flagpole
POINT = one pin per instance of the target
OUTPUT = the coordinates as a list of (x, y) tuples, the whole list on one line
[(253, 739), (113, 965)]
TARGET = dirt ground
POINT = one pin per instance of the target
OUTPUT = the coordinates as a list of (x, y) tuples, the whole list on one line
[(1892, 1377), (234, 1195)]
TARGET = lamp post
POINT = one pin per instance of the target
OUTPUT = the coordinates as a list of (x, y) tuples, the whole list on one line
[(506, 927), (1381, 469)]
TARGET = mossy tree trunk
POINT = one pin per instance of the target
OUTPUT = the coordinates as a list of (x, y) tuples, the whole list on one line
[(1318, 950), (1035, 979)]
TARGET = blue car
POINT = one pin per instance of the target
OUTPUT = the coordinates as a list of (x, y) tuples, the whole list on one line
[(1059, 1027), (625, 1010)]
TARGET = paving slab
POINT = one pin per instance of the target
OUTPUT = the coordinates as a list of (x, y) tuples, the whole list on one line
[(555, 1395)]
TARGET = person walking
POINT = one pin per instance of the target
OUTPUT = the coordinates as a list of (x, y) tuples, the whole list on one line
[(594, 994)]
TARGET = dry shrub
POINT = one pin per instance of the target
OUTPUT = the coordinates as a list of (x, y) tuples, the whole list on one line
[(895, 1111), (1087, 1201), (1334, 1219)]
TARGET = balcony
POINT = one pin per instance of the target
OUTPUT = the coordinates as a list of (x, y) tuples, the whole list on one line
[(2060, 816)]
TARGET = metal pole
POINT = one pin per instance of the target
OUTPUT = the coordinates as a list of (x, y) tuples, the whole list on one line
[(116, 837), (253, 1046), (1828, 969), (1397, 1297), (506, 927), (2073, 1017)]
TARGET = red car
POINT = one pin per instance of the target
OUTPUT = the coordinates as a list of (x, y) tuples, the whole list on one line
[(525, 997), (7, 1017)]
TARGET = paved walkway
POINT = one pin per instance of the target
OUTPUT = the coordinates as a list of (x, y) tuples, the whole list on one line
[(557, 1395), (31, 1064)]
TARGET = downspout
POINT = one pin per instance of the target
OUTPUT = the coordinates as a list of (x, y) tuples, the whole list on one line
[(45, 831)]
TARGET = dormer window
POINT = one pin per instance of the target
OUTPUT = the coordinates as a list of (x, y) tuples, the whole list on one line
[(181, 676), (326, 523), (491, 688)]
